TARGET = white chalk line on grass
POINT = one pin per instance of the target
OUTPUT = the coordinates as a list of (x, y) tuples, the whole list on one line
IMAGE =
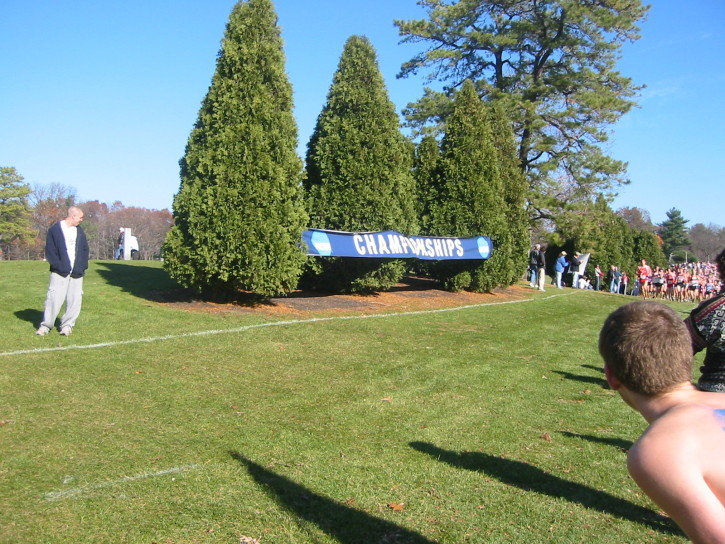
[(270, 324), (67, 493)]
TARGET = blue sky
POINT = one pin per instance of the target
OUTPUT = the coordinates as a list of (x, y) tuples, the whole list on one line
[(101, 96)]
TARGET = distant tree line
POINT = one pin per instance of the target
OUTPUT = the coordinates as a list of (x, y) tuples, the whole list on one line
[(624, 237), (26, 217), (679, 242)]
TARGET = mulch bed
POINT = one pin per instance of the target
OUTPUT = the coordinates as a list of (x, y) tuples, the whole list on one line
[(412, 294)]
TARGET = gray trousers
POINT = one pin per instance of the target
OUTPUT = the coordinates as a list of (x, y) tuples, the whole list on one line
[(541, 278), (60, 290)]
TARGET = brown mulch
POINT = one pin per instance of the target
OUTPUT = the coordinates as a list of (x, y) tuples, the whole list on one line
[(412, 294)]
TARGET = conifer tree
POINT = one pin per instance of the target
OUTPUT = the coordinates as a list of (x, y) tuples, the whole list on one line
[(425, 172), (604, 234), (554, 64), (239, 212), (515, 186), (471, 198), (15, 225), (616, 246), (674, 232), (646, 246), (359, 171)]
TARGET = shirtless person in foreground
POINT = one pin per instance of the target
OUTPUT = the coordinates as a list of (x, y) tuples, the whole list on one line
[(678, 460)]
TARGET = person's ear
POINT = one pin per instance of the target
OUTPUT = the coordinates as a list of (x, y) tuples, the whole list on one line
[(611, 378)]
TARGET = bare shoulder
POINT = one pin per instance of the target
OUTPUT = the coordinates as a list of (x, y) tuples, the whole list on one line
[(690, 432), (678, 463), (695, 416)]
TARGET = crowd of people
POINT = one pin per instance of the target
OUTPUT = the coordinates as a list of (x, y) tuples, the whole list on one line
[(693, 282), (687, 282)]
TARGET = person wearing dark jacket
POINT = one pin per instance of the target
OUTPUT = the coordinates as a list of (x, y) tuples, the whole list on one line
[(67, 251), (706, 324)]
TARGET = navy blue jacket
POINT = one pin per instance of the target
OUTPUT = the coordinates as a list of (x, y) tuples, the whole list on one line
[(57, 254)]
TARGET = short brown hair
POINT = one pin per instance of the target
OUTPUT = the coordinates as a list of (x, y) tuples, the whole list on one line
[(647, 347)]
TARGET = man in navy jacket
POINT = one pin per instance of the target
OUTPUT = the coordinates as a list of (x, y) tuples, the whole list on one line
[(66, 249)]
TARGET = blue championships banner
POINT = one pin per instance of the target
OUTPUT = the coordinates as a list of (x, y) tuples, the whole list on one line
[(390, 244)]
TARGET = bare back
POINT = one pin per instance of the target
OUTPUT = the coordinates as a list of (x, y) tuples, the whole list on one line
[(679, 463)]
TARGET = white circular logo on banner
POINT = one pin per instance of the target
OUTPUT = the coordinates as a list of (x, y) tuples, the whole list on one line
[(321, 242), (484, 248)]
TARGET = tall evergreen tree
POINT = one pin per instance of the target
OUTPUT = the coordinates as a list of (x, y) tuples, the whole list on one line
[(427, 181), (646, 246), (515, 188), (472, 200), (600, 232), (239, 212), (359, 171), (425, 172), (673, 232), (616, 246), (15, 224)]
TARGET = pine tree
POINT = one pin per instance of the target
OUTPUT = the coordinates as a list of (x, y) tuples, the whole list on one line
[(471, 199), (617, 246), (554, 64), (427, 181), (359, 171), (239, 212), (673, 232)]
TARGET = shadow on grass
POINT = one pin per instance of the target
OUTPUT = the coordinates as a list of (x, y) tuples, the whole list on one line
[(584, 379), (347, 525), (143, 282), (623, 445), (599, 369), (156, 285), (530, 478), (30, 315)]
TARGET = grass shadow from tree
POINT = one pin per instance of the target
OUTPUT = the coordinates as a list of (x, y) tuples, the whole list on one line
[(155, 285)]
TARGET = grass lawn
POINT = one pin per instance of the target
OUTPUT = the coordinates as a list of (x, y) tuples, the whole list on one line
[(159, 423)]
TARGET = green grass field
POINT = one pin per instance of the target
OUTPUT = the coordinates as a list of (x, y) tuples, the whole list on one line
[(154, 423)]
